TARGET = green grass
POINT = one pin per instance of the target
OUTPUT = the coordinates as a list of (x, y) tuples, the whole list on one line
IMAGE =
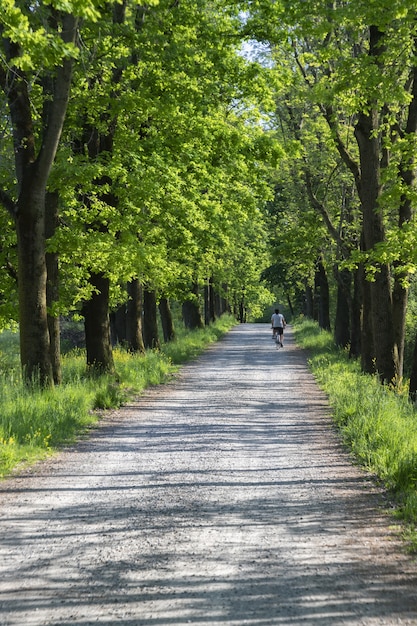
[(34, 422), (378, 424)]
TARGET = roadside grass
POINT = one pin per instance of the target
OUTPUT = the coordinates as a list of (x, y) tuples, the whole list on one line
[(34, 423), (378, 424)]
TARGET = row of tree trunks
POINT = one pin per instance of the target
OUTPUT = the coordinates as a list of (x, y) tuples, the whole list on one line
[(134, 324), (354, 322), (317, 300), (348, 306)]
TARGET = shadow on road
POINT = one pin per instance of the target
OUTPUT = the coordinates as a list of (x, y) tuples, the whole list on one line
[(224, 498)]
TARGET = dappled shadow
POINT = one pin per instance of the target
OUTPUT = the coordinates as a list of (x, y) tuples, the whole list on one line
[(224, 498), (294, 583)]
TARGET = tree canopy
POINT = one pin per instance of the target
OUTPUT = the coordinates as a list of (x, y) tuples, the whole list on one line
[(134, 148), (247, 150), (350, 104)]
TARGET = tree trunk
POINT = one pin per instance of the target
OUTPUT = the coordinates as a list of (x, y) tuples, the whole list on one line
[(212, 314), (218, 305), (342, 333), (32, 274), (413, 376), (150, 321), (323, 299), (380, 304), (235, 308), (52, 287), (118, 323), (242, 309), (367, 136), (309, 302), (226, 308), (97, 328), (191, 311), (207, 303), (367, 340), (134, 314), (166, 320), (408, 175), (290, 305), (221, 304), (399, 309), (356, 316)]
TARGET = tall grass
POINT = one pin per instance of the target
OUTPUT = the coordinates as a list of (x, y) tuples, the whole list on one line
[(378, 424), (35, 422)]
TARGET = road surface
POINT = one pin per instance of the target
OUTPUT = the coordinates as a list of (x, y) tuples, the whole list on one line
[(223, 498)]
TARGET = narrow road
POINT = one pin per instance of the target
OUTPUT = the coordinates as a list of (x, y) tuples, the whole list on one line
[(223, 498)]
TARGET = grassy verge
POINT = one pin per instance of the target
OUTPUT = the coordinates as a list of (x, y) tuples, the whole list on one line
[(377, 424), (33, 424)]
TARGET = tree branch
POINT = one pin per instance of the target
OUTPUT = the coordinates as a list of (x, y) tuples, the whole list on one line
[(8, 203), (58, 107), (328, 113), (350, 163), (321, 210)]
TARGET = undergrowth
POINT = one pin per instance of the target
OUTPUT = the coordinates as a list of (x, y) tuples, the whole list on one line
[(377, 423), (35, 422)]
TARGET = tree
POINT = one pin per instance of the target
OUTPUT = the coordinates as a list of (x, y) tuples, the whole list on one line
[(358, 66), (38, 51), (184, 174), (160, 173)]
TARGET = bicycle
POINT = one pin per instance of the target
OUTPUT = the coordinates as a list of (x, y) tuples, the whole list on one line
[(277, 338), (278, 342)]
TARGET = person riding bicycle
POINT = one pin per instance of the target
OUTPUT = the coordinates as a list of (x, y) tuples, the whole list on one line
[(278, 324)]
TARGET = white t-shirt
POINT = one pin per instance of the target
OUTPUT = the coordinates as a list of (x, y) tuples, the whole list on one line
[(277, 320)]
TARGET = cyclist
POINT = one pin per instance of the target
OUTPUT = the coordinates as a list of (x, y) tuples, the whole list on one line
[(278, 324)]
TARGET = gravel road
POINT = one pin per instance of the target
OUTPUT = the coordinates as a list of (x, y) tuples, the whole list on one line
[(222, 498)]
